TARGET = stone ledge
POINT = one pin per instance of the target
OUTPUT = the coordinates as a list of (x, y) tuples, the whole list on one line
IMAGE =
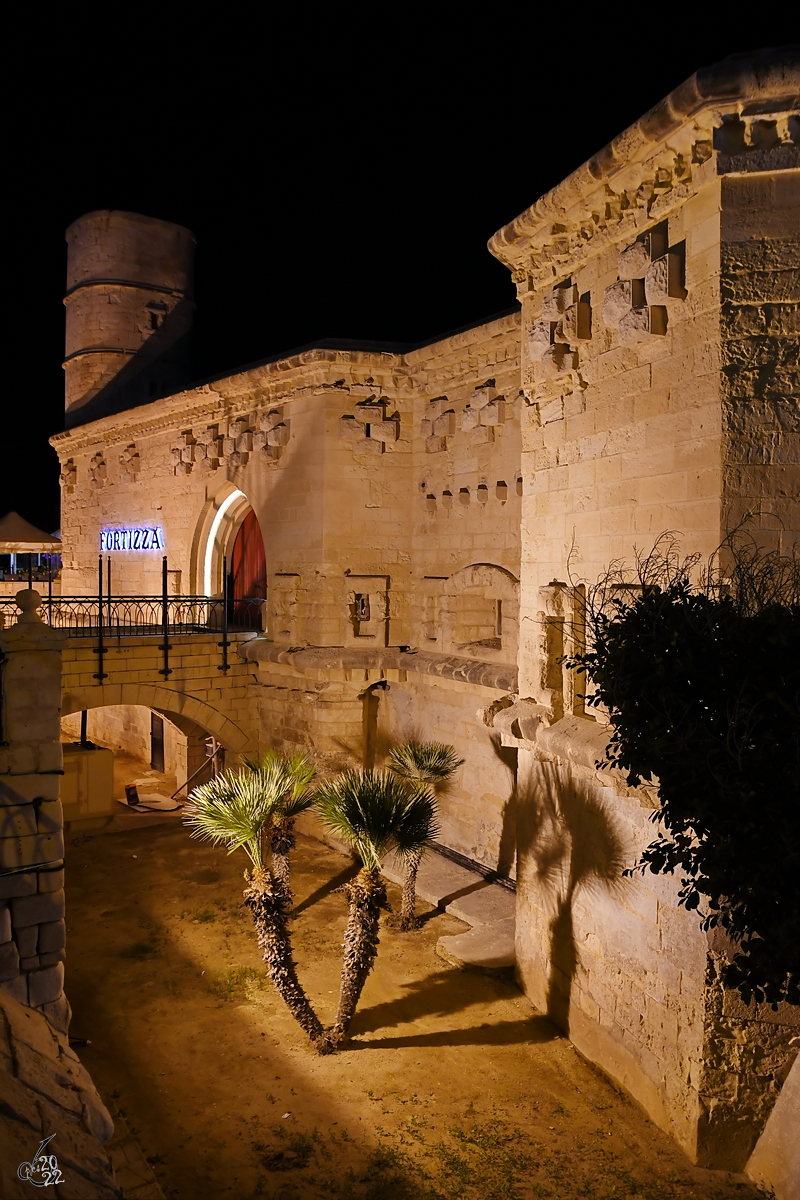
[(498, 676), (488, 948)]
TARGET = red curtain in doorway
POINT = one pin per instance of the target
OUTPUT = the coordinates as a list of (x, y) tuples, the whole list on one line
[(248, 562), (248, 577)]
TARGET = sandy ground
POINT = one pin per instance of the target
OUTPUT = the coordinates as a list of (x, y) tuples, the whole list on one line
[(452, 1087)]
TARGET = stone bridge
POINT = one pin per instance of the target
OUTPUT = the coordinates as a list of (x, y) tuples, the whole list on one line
[(198, 696)]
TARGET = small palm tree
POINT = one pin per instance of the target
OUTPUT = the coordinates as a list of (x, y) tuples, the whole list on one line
[(300, 774), (429, 765), (375, 812), (236, 810)]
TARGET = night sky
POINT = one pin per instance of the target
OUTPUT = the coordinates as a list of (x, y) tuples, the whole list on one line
[(347, 191)]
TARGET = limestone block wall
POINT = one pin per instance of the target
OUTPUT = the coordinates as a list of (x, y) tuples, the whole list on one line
[(622, 968), (197, 697), (627, 443), (478, 809), (658, 365), (760, 335), (32, 930), (46, 1090)]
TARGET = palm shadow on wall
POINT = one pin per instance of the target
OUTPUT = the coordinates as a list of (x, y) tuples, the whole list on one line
[(566, 840)]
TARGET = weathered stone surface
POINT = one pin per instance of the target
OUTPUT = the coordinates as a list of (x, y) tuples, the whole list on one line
[(775, 1162), (31, 910), (46, 984), (45, 1089), (9, 961), (619, 298), (488, 948), (641, 323)]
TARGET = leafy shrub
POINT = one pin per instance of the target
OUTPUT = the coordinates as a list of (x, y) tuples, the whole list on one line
[(700, 681)]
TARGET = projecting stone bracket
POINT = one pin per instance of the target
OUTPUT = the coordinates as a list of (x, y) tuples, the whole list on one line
[(650, 277), (565, 318), (369, 430)]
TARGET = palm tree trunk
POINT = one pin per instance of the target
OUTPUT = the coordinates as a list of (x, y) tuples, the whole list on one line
[(409, 899), (366, 896), (282, 841), (266, 900)]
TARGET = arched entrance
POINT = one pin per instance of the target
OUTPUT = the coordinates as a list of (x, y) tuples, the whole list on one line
[(177, 706), (194, 740)]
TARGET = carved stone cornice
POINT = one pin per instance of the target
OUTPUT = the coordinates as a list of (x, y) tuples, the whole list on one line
[(278, 382), (653, 166), (263, 385)]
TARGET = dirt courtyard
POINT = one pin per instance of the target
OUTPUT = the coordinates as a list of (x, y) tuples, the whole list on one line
[(452, 1087)]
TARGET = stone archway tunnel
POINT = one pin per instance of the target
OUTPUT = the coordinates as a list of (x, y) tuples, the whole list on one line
[(196, 693)]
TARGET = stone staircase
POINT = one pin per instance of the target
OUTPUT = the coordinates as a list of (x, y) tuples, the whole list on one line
[(488, 907)]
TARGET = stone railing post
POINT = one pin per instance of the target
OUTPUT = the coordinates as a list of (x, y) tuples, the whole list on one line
[(32, 930)]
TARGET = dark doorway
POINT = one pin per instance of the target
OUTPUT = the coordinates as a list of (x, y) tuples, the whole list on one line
[(248, 572), (156, 742)]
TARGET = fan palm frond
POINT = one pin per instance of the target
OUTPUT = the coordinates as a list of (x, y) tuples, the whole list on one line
[(299, 772), (232, 809), (377, 811), (425, 761)]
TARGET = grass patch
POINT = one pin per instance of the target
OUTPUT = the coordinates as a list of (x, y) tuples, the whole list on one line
[(293, 1152), (140, 950), (205, 916), (204, 875), (238, 983)]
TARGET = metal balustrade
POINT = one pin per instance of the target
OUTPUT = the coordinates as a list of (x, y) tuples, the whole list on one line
[(105, 617), (142, 616)]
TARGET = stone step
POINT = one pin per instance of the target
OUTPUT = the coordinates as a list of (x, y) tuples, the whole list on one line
[(489, 908), (488, 948)]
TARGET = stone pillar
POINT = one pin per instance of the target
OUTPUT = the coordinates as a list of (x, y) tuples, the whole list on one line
[(32, 931)]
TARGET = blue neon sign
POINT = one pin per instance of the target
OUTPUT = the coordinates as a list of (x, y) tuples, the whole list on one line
[(146, 537)]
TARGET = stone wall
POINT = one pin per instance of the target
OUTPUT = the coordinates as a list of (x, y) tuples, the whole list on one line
[(760, 334), (32, 930), (428, 518), (618, 964), (45, 1091)]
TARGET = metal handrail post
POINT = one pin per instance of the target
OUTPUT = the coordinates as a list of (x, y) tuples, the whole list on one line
[(224, 643), (108, 593), (165, 670), (100, 674)]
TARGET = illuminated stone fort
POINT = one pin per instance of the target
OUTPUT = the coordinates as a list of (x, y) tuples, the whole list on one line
[(408, 518)]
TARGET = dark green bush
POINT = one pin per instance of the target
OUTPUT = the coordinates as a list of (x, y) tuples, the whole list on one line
[(702, 687)]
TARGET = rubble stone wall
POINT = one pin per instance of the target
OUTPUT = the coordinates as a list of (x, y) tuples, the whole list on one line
[(32, 929)]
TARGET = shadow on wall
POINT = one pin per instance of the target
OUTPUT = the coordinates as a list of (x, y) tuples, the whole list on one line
[(567, 840), (507, 850)]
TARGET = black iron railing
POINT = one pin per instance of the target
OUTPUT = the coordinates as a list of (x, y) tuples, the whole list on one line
[(143, 616), (105, 617)]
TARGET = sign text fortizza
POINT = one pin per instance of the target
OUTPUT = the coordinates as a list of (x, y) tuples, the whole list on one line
[(145, 538)]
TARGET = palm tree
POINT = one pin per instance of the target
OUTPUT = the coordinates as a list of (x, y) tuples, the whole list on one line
[(428, 765), (298, 797), (236, 810), (375, 812)]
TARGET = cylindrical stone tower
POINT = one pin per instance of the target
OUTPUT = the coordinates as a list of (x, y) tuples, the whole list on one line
[(129, 309)]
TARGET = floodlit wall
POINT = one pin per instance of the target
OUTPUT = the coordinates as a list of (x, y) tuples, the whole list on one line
[(659, 316), (32, 928), (428, 521)]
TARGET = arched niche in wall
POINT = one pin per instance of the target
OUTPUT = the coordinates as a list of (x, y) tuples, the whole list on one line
[(479, 613)]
